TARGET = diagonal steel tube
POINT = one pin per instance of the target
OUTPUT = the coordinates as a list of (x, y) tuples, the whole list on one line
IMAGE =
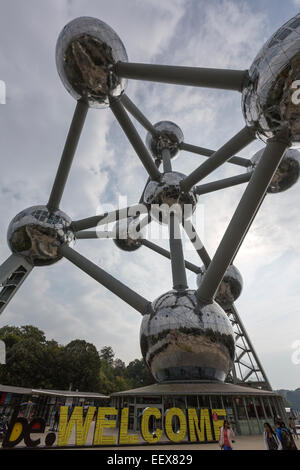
[(137, 114), (134, 138), (108, 217), (161, 251), (181, 75), (129, 296), (240, 161), (222, 184), (166, 158), (13, 273), (195, 240), (249, 225), (176, 251), (10, 265), (242, 218), (67, 155), (234, 145)]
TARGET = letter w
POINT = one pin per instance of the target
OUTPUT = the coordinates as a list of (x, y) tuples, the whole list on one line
[(81, 426)]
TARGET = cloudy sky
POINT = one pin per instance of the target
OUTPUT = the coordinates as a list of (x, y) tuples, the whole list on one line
[(63, 301)]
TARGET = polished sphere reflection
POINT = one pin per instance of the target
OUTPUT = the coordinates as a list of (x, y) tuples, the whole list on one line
[(36, 233), (128, 237), (184, 341), (169, 136), (269, 100), (287, 173), (167, 194), (87, 50), (230, 287)]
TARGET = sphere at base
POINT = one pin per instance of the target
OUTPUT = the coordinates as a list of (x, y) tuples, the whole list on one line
[(183, 341), (270, 99), (230, 287), (166, 194), (169, 136), (128, 238), (86, 51), (36, 233), (287, 173)]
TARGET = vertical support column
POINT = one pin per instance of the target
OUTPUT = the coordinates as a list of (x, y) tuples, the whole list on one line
[(166, 157), (177, 259), (257, 417), (246, 411), (263, 408)]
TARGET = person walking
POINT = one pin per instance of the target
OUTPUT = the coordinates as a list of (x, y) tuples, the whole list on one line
[(56, 420), (270, 438), (285, 437), (292, 426), (226, 436)]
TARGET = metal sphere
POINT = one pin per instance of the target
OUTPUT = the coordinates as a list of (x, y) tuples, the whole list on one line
[(287, 173), (230, 287), (36, 233), (268, 99), (169, 136), (167, 194), (183, 341), (127, 237), (86, 51)]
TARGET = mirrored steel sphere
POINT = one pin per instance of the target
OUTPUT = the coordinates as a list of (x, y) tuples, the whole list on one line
[(287, 173), (270, 101), (169, 136), (36, 234), (230, 288), (166, 194), (128, 237), (86, 51), (183, 341)]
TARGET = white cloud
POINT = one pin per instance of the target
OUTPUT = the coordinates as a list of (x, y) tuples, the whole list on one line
[(62, 300)]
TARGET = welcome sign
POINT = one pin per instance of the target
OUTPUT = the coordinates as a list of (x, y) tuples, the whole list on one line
[(111, 427)]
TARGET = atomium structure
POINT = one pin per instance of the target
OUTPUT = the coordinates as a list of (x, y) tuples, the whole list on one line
[(186, 335)]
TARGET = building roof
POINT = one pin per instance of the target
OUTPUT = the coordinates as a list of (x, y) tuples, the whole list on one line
[(54, 393), (195, 389)]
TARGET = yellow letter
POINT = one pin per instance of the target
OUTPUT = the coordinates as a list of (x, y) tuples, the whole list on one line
[(124, 437), (180, 434), (146, 435), (66, 427), (204, 425), (99, 438), (218, 424)]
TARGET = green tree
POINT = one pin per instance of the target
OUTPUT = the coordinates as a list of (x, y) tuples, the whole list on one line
[(107, 354), (138, 373), (81, 365)]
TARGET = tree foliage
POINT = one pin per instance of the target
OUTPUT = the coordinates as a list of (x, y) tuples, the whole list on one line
[(34, 362)]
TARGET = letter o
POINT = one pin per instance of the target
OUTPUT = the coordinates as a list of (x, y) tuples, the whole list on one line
[(171, 435)]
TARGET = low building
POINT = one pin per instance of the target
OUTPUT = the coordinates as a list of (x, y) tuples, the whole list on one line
[(42, 402), (247, 408)]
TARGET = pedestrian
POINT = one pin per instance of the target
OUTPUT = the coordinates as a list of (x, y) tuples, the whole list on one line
[(56, 421), (226, 436), (292, 426), (270, 438), (285, 437)]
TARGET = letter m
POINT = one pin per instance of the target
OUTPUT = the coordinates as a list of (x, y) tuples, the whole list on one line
[(2, 352), (2, 92)]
